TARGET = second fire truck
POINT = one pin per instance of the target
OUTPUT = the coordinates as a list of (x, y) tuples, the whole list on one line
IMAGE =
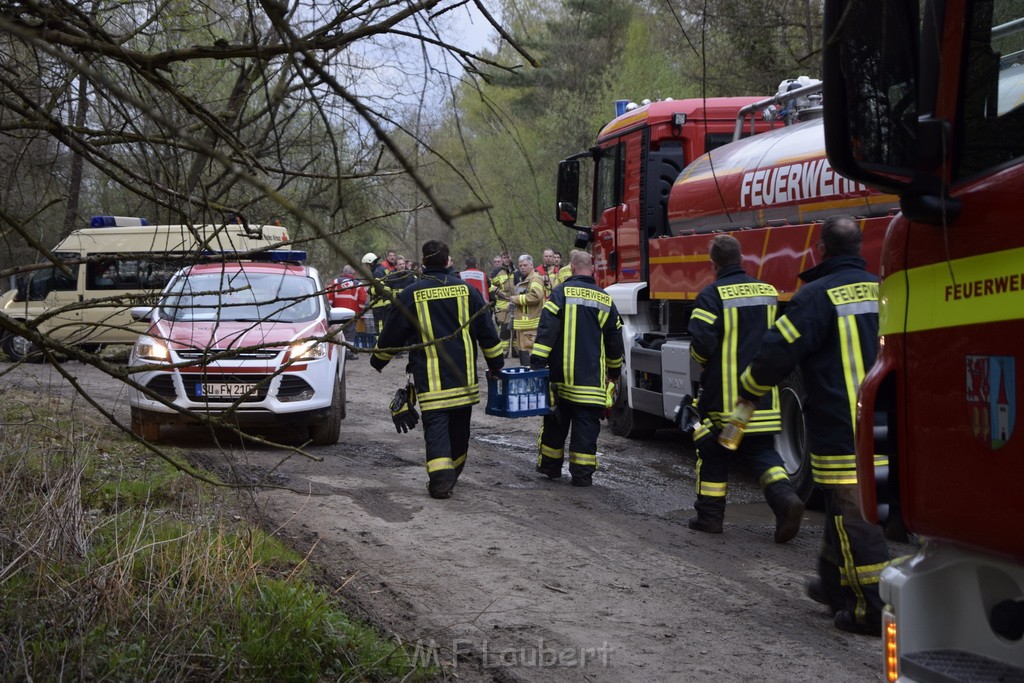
[(653, 220)]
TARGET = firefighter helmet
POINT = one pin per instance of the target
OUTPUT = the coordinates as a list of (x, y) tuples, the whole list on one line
[(369, 258)]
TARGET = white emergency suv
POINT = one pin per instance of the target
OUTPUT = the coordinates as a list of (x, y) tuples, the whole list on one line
[(242, 341)]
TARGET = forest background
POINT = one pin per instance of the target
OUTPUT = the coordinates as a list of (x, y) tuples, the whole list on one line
[(360, 125)]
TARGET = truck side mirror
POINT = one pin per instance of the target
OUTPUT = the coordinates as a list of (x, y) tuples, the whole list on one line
[(568, 192), (871, 90)]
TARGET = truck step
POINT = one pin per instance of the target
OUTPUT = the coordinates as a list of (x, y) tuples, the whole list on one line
[(952, 666)]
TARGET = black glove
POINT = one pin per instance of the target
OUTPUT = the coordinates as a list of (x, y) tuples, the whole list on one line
[(403, 411), (705, 435), (377, 363), (687, 417), (494, 369)]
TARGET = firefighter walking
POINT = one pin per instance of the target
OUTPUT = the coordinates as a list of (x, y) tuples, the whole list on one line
[(830, 330), (580, 340), (438, 305), (729, 319)]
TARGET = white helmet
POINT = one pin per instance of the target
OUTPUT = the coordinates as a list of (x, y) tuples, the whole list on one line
[(369, 258)]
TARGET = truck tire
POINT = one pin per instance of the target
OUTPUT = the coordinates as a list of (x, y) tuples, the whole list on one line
[(145, 426), (18, 348), (792, 441), (627, 422), (328, 431)]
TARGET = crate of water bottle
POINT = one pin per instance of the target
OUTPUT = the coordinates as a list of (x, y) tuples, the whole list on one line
[(519, 392), (364, 340)]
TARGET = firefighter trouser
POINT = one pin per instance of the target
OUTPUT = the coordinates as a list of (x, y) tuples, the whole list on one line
[(503, 321), (853, 555), (757, 450), (525, 340), (713, 460), (380, 314), (446, 433), (585, 422)]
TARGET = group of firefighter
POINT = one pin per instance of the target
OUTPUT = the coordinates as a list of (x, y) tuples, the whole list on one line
[(563, 321)]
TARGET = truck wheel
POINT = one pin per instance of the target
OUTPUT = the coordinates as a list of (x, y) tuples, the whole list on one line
[(627, 422), (144, 426), (328, 431), (792, 440), (18, 348)]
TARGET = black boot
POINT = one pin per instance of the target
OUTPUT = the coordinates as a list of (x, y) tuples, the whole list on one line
[(788, 509), (710, 514)]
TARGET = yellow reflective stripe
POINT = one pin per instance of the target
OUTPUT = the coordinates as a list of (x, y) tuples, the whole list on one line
[(569, 345), (771, 315), (549, 452), (427, 334), (834, 469), (772, 475), (978, 289), (525, 323), (613, 363), (383, 355), (438, 464), (881, 460), (460, 461), (787, 329), (577, 394), (551, 307), (697, 357), (853, 361), (714, 489), (750, 386), (493, 351), (870, 573), (702, 430), (849, 569), (704, 316), (730, 357), (583, 458), (467, 338)]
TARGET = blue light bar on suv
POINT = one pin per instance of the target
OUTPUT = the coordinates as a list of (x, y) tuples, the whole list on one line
[(116, 221), (273, 256), (286, 256)]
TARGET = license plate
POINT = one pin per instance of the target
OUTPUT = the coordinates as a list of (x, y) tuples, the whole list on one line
[(218, 390)]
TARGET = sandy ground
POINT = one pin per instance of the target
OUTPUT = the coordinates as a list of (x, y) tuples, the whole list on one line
[(517, 578)]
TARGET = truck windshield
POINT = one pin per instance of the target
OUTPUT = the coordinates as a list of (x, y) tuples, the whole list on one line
[(241, 296), (993, 87)]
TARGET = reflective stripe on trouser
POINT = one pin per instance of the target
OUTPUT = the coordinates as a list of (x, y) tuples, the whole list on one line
[(758, 450), (585, 422), (858, 551), (446, 433)]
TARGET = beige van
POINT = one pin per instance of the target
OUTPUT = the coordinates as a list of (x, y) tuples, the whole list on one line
[(114, 264)]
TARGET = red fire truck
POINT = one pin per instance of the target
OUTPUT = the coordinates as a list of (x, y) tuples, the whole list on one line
[(924, 99), (653, 224)]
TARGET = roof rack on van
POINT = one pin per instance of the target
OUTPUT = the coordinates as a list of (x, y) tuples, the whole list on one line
[(116, 221)]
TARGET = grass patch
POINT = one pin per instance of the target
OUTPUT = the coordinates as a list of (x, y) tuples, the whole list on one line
[(115, 566)]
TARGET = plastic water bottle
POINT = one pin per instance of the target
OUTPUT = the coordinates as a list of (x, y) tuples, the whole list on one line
[(733, 430)]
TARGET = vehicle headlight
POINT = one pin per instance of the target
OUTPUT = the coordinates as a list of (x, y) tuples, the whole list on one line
[(148, 348), (309, 350)]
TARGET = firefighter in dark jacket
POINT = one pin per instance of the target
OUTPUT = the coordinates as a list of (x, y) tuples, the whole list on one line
[(830, 330), (580, 340), (438, 305), (729, 319)]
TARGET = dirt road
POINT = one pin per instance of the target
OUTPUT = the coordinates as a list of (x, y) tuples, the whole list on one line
[(517, 578)]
